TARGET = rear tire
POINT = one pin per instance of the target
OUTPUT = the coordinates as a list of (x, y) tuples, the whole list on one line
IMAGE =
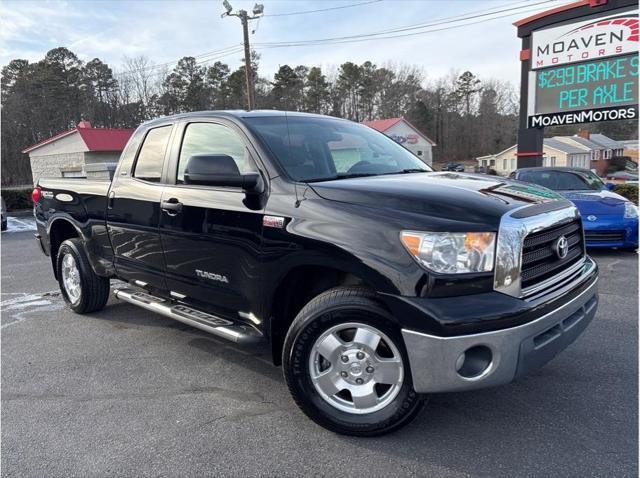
[(345, 340), (82, 289)]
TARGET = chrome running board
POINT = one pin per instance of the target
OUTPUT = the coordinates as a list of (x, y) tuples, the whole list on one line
[(227, 329)]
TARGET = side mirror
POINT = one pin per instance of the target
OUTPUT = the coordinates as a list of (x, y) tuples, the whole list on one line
[(220, 170), (610, 186)]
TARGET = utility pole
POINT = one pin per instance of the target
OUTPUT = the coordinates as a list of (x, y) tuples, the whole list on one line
[(258, 10)]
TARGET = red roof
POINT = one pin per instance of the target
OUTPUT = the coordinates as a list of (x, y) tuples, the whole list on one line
[(103, 139), (96, 139), (383, 124)]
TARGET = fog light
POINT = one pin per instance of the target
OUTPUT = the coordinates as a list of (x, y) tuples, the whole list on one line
[(474, 361)]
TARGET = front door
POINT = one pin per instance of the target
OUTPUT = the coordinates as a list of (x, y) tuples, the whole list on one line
[(212, 242), (133, 213)]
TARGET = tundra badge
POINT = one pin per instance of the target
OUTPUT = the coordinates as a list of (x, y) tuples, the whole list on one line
[(212, 276)]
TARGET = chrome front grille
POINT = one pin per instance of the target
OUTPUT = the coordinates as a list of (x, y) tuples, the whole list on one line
[(527, 262), (540, 260)]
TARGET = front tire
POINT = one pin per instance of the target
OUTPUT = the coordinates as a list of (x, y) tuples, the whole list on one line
[(346, 366), (82, 289)]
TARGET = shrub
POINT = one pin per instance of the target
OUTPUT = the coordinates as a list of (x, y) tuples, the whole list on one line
[(17, 199), (629, 191)]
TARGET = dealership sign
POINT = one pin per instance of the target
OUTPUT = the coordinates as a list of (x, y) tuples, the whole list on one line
[(587, 40), (584, 72)]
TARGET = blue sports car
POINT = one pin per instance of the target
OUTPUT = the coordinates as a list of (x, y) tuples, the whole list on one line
[(609, 219)]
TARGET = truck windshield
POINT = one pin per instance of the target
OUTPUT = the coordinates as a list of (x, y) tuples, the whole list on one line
[(564, 180), (319, 149)]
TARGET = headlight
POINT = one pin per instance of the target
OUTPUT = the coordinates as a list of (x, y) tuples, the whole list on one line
[(630, 210), (452, 252)]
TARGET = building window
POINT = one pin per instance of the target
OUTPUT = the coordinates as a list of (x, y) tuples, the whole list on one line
[(492, 162), (505, 164), (513, 164), (552, 161)]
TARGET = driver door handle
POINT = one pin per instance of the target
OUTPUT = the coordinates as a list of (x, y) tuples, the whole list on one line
[(171, 206)]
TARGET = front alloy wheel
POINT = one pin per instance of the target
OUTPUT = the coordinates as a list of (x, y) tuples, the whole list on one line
[(356, 368), (346, 366)]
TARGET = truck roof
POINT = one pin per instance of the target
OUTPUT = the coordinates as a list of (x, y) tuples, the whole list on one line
[(237, 114)]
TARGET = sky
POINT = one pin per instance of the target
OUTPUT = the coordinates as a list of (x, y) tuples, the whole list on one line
[(164, 31)]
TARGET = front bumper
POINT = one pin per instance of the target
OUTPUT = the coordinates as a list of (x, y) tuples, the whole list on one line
[(446, 364), (611, 231)]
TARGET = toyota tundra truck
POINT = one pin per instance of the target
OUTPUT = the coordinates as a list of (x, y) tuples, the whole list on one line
[(374, 280)]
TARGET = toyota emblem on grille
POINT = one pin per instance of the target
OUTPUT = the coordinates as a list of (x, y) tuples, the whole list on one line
[(562, 247), (592, 218)]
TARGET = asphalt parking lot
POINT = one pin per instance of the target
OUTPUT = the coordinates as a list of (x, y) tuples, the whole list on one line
[(125, 393)]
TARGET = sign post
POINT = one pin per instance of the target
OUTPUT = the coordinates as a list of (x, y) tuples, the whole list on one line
[(579, 64)]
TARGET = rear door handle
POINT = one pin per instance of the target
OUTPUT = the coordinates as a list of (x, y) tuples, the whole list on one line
[(171, 206)]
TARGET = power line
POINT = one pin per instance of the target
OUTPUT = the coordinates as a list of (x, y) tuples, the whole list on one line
[(380, 35), (202, 62), (170, 63), (322, 9), (360, 37)]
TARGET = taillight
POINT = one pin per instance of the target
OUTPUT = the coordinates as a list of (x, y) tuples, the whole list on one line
[(36, 194)]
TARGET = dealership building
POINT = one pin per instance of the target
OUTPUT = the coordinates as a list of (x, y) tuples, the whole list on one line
[(82, 151)]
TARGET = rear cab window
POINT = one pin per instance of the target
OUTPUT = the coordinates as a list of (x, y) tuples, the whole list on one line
[(151, 156)]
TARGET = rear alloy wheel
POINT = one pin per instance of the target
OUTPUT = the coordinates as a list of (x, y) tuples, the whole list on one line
[(71, 279), (346, 366), (82, 289)]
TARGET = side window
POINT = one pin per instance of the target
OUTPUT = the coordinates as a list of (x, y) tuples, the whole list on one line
[(151, 157), (212, 138)]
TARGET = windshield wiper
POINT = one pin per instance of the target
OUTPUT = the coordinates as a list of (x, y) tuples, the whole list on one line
[(364, 175), (413, 170), (339, 176), (407, 171), (354, 175)]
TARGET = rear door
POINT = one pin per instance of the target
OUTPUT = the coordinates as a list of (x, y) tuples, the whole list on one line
[(212, 244), (133, 210)]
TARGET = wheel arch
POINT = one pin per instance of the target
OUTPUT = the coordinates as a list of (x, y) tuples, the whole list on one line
[(298, 285), (59, 230)]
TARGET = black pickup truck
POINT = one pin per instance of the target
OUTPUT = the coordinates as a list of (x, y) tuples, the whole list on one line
[(375, 280)]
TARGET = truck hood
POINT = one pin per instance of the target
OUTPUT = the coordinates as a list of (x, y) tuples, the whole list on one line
[(468, 197), (598, 203)]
